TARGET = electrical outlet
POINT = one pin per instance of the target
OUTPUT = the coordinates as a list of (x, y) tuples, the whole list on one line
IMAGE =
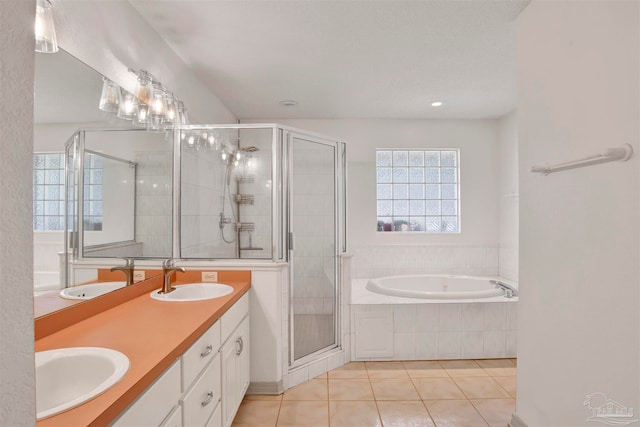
[(138, 275), (209, 276)]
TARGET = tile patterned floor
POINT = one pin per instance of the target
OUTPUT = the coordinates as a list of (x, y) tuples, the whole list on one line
[(451, 393)]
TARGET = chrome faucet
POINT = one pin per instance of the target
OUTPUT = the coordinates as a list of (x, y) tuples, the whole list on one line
[(127, 269), (509, 291), (168, 268)]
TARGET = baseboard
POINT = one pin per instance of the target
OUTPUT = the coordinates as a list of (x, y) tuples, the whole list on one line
[(266, 387), (516, 421)]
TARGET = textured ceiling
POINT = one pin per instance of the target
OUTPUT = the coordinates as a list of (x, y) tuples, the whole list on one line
[(347, 59)]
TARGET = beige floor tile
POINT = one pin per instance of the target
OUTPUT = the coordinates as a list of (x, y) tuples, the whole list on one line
[(454, 413), (350, 370), (496, 412), (463, 368), (507, 383), (322, 376), (316, 389), (425, 369), (394, 389), (438, 388), (481, 388), (404, 414), (386, 370), (498, 367), (354, 389), (277, 397), (299, 414), (257, 413), (354, 414), (515, 362)]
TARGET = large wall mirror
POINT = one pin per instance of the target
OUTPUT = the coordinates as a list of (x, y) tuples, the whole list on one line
[(125, 189)]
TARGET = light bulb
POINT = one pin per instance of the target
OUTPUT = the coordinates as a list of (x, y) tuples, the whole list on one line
[(127, 106), (224, 155)]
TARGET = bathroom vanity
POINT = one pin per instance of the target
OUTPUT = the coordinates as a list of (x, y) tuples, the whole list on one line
[(189, 361)]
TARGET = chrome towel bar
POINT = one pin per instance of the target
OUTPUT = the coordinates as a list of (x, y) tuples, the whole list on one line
[(622, 154)]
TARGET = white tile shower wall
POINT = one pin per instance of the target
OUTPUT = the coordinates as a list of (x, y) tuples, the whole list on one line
[(153, 201), (377, 261), (314, 222), (202, 198), (439, 331), (259, 213)]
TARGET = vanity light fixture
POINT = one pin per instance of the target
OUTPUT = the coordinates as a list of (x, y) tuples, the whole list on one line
[(110, 99), (46, 41), (144, 90)]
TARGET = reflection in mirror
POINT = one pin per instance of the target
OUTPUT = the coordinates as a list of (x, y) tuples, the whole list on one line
[(125, 203), (67, 94)]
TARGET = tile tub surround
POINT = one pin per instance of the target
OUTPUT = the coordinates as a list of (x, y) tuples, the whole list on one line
[(413, 393), (396, 328), (394, 260)]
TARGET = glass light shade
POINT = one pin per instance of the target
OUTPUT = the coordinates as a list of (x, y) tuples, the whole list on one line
[(170, 113), (144, 90), (141, 116), (110, 97), (46, 40), (127, 108), (182, 117), (158, 105)]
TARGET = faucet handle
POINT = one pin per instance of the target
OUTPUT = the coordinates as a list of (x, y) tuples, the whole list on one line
[(168, 263), (129, 262)]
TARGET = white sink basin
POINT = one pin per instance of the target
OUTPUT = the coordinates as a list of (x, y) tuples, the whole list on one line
[(91, 290), (68, 377), (194, 292)]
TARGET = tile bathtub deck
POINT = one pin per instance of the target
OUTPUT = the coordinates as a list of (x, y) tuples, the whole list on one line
[(448, 393)]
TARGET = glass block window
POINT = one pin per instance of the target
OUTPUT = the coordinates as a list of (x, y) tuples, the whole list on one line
[(48, 192), (92, 209), (418, 190)]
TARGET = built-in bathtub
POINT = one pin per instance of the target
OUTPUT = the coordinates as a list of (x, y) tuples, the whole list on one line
[(424, 317)]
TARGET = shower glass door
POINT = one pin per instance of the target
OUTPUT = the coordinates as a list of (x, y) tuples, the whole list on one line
[(313, 256)]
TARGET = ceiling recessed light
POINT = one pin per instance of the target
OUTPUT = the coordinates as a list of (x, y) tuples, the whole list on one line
[(437, 104), (288, 103)]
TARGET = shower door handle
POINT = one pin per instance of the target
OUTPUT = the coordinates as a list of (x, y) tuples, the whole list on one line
[(291, 240)]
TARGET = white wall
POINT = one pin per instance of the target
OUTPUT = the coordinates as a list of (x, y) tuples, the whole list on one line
[(111, 36), (17, 385), (474, 250), (508, 196), (579, 322)]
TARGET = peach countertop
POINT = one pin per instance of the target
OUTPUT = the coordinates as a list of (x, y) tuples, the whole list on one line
[(153, 334)]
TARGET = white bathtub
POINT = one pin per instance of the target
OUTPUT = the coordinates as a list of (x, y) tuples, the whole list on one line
[(433, 286), (432, 317)]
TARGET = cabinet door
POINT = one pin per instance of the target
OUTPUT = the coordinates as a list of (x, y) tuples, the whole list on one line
[(235, 370), (243, 361), (229, 380)]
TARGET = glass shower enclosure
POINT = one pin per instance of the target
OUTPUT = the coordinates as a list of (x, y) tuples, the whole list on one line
[(214, 192)]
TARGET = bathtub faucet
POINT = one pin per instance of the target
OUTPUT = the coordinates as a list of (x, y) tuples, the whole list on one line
[(127, 269), (509, 291), (168, 268)]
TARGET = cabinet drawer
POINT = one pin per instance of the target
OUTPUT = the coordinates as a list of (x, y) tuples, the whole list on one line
[(155, 403), (232, 318), (199, 355), (202, 397)]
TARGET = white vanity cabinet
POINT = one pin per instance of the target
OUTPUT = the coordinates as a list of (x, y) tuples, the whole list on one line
[(205, 385)]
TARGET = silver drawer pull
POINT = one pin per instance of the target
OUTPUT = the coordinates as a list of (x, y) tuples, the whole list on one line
[(207, 351), (208, 399), (239, 345)]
